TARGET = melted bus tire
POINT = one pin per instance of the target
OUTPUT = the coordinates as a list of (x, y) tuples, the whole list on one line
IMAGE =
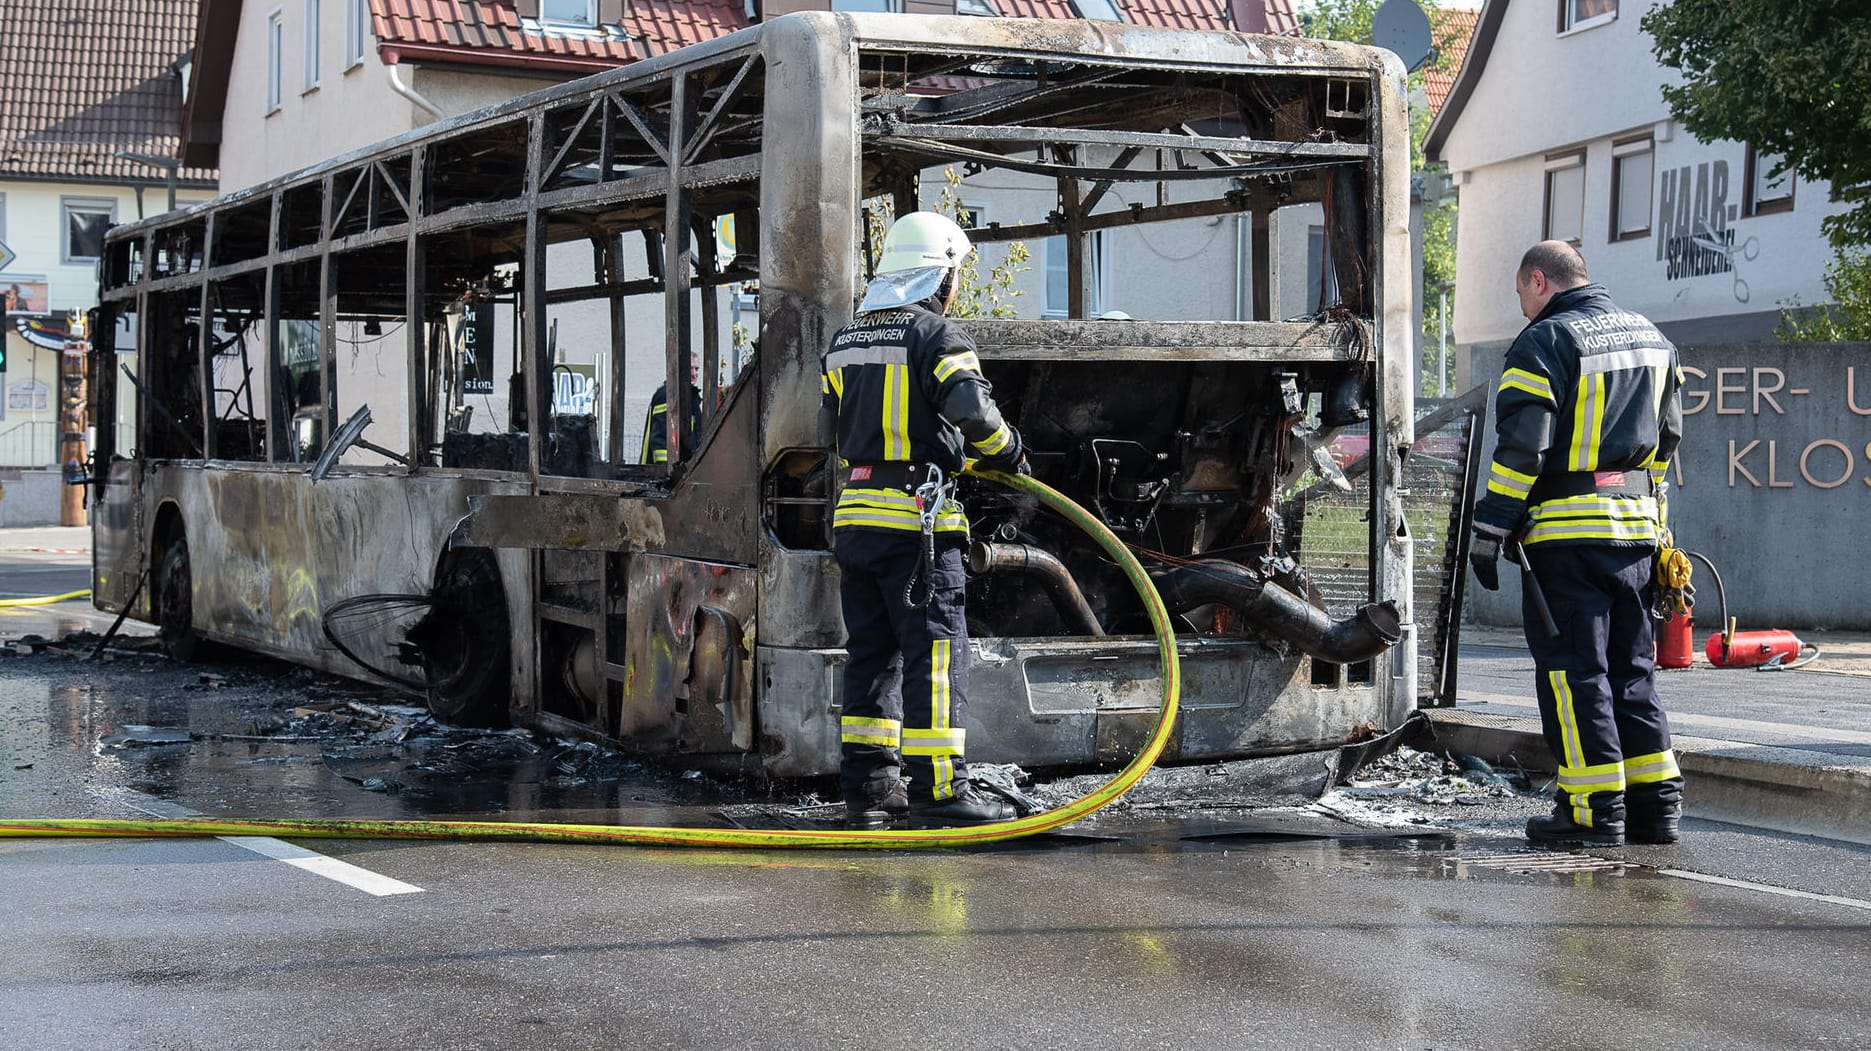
[(467, 654), (174, 599)]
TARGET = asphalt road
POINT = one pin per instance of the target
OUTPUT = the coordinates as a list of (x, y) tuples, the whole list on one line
[(1223, 926)]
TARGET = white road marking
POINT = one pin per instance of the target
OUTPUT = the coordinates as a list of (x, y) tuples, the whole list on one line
[(1765, 888), (279, 850), (1721, 722), (319, 865)]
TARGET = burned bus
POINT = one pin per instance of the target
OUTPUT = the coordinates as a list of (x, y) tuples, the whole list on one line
[(389, 416)]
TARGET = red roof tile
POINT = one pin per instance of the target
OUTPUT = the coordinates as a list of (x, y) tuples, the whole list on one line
[(81, 80), (1454, 28), (493, 30)]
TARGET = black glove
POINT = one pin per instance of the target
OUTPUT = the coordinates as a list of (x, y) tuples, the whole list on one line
[(1483, 557), (1011, 459)]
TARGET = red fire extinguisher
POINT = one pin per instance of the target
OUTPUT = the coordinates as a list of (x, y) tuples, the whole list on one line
[(1744, 649), (1676, 641)]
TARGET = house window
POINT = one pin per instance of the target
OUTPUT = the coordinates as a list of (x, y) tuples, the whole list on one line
[(984, 8), (1565, 197), (1059, 276), (2, 216), (356, 31), (1767, 193), (275, 61), (1098, 10), (28, 396), (569, 12), (85, 220), (878, 7), (1633, 167), (312, 22), (1584, 14)]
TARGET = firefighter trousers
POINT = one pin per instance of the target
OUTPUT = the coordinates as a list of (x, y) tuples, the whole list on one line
[(1596, 681), (906, 675)]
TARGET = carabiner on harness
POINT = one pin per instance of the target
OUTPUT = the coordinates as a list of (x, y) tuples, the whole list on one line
[(933, 494)]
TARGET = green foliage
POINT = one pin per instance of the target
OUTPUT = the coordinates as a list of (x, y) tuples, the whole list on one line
[(1350, 20), (1848, 317), (1789, 76)]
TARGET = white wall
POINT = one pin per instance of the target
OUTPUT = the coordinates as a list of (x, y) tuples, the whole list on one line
[(1542, 92), (353, 105)]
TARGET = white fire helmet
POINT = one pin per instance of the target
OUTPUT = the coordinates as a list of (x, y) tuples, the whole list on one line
[(922, 239)]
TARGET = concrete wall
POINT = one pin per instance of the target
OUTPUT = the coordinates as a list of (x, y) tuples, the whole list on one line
[(29, 498), (1772, 476)]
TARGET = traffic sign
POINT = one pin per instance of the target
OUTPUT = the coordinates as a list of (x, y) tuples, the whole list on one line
[(6, 256)]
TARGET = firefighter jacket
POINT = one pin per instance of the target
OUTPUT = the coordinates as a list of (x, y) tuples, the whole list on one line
[(656, 425), (906, 391), (1587, 417)]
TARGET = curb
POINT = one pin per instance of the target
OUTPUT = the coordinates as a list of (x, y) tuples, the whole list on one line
[(1794, 790)]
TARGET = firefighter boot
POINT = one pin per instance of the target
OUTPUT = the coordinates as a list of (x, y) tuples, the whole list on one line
[(875, 803), (1562, 829), (1655, 810), (968, 806)]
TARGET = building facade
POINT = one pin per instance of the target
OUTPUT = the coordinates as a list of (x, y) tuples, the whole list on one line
[(1557, 128), (90, 109)]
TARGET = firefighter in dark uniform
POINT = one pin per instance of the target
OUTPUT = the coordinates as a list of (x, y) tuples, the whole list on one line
[(656, 424), (1587, 415), (909, 406)]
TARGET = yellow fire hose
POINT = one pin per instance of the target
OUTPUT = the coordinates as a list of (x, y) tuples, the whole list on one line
[(639, 835), (45, 600)]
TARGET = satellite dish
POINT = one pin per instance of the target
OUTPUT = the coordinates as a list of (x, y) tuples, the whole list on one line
[(1401, 27)]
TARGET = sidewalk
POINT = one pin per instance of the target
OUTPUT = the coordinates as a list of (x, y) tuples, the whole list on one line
[(1786, 750), (69, 540)]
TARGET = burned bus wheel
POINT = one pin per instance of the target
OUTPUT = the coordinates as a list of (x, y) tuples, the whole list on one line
[(175, 601), (467, 654)]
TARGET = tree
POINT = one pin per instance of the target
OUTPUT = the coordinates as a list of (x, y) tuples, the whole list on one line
[(1848, 282), (1789, 76), (1350, 20)]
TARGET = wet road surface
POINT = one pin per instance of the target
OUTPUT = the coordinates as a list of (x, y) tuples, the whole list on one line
[(1228, 923)]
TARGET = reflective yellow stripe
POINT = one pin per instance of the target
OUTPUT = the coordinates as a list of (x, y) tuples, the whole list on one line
[(964, 361), (995, 442), (858, 729), (1571, 753), (892, 509), (934, 742), (939, 657), (1509, 482), (1584, 780), (1619, 518), (1587, 417), (1649, 769), (896, 421), (836, 378), (1531, 382)]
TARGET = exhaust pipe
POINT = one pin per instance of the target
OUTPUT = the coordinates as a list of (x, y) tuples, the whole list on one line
[(1278, 612), (984, 557)]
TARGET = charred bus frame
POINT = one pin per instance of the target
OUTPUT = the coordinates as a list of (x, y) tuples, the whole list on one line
[(529, 568)]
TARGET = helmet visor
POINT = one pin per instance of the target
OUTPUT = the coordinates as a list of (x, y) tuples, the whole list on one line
[(902, 288)]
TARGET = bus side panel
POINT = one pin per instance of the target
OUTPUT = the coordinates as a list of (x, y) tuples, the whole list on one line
[(687, 688), (117, 539), (272, 551), (1068, 702)]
